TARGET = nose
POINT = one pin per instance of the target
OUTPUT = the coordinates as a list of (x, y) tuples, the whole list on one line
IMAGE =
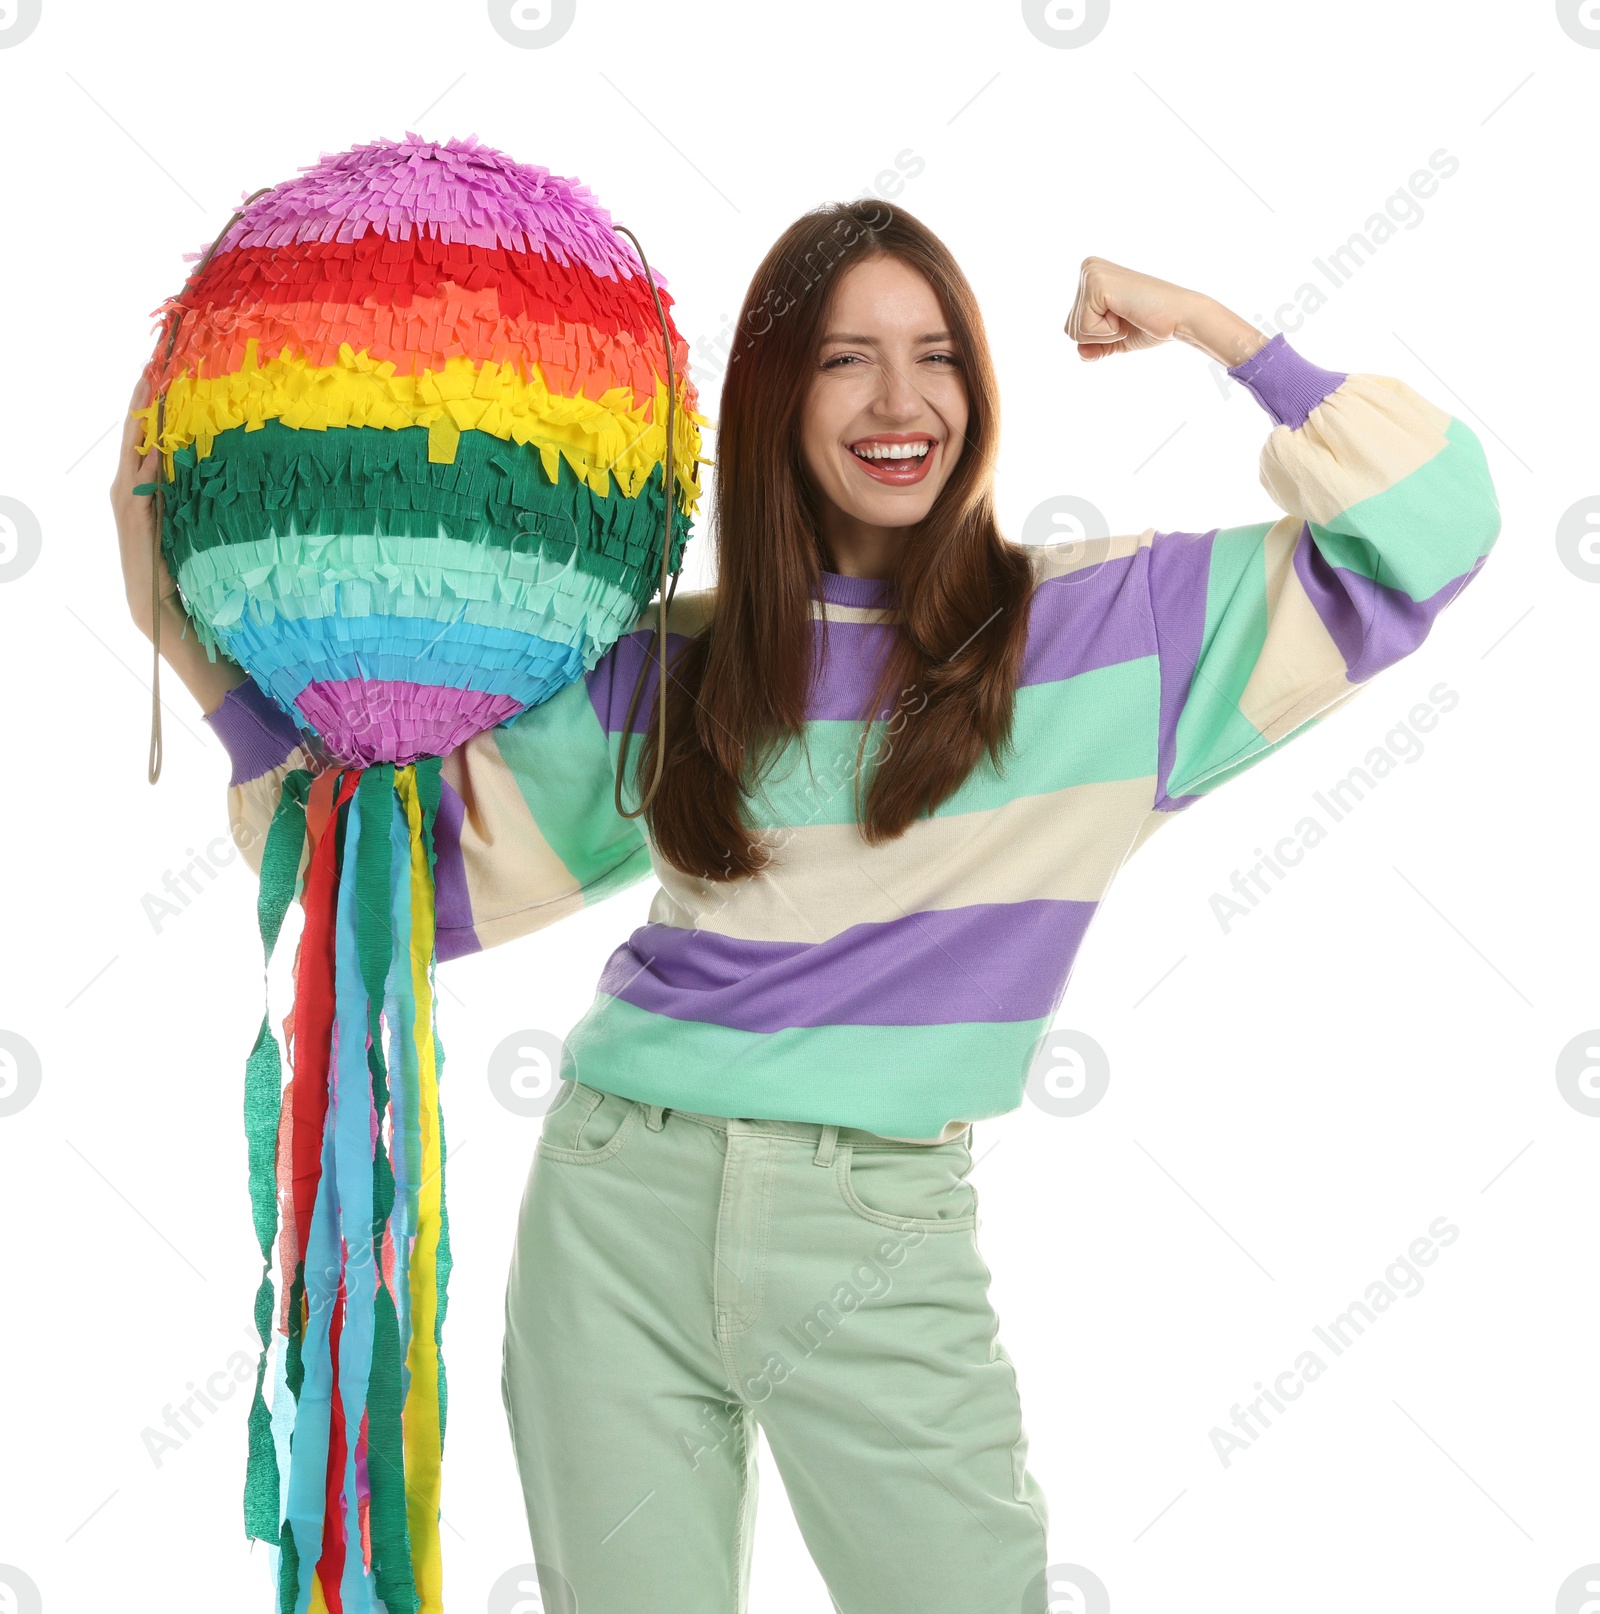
[(899, 397)]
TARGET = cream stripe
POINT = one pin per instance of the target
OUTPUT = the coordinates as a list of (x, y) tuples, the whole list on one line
[(1359, 441), (1299, 660), (510, 867), (1064, 845), (690, 612), (1080, 554), (1153, 821), (251, 807), (952, 1129), (869, 614)]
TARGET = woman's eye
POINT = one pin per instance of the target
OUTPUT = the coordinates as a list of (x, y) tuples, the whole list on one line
[(948, 360)]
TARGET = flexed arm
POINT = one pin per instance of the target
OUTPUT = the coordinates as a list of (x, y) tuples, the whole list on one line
[(1260, 630)]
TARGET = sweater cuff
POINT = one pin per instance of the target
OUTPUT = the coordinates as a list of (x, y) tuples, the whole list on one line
[(1286, 385), (255, 731)]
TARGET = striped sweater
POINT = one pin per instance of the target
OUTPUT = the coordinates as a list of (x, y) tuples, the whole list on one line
[(902, 988)]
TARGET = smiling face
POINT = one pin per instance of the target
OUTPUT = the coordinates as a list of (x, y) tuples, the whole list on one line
[(884, 418)]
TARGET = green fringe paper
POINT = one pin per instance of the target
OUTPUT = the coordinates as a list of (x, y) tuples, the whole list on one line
[(255, 484), (375, 944), (300, 577), (288, 1572), (429, 779), (263, 1096)]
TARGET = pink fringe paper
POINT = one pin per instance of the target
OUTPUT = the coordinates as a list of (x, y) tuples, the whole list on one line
[(362, 721), (460, 191)]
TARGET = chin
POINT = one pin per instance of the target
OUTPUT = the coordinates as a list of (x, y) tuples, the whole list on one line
[(902, 517), (893, 512)]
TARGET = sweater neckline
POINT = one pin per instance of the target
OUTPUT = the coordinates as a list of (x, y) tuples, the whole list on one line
[(837, 589)]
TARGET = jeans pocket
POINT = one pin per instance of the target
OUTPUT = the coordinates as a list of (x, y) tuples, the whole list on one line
[(915, 1187), (585, 1125)]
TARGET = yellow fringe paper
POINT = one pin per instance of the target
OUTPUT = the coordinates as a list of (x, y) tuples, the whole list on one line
[(613, 435), (423, 1442)]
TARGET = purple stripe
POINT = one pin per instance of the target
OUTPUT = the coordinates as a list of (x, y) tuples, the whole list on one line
[(612, 681), (1342, 599), (846, 676), (255, 731), (454, 935), (1286, 384), (988, 962), (871, 593), (842, 681), (1087, 619), (1373, 625), (1179, 566), (1084, 620)]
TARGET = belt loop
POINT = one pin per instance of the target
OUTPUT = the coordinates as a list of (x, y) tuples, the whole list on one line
[(825, 1143), (655, 1116)]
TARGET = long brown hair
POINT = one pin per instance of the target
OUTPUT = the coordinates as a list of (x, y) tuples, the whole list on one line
[(738, 689)]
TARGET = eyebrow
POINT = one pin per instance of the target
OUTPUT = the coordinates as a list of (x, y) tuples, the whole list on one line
[(869, 341)]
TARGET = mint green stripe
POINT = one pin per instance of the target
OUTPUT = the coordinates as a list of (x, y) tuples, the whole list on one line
[(1250, 751), (1095, 727), (1427, 529), (904, 1080), (562, 765), (1211, 724), (439, 579), (271, 477)]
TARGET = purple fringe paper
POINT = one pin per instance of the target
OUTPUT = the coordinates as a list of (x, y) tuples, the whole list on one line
[(362, 721), (461, 191)]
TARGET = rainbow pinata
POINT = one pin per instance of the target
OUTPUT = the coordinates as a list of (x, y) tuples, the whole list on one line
[(414, 432), (413, 411)]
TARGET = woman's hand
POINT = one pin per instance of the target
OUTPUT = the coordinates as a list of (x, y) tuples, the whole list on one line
[(1119, 310), (145, 575)]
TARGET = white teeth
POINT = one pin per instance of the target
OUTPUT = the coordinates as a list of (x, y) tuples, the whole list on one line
[(892, 451)]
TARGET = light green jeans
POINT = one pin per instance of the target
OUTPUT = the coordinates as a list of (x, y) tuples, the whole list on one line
[(678, 1279)]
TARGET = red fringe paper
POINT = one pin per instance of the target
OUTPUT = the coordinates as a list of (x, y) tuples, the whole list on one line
[(575, 359), (394, 272)]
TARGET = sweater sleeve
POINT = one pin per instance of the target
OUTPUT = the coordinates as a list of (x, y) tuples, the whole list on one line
[(1262, 630), (265, 746), (527, 829)]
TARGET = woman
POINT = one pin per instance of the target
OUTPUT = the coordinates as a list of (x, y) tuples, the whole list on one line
[(751, 1204)]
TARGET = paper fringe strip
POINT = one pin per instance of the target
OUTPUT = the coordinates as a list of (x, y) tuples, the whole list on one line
[(614, 435), (355, 283), (344, 1478), (574, 358), (460, 191), (255, 486)]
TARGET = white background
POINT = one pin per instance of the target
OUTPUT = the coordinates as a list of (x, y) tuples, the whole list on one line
[(1291, 1103)]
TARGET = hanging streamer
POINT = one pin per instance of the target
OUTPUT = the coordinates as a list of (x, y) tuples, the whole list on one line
[(357, 1141)]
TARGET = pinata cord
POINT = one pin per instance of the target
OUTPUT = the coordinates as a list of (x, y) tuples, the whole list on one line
[(665, 596)]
